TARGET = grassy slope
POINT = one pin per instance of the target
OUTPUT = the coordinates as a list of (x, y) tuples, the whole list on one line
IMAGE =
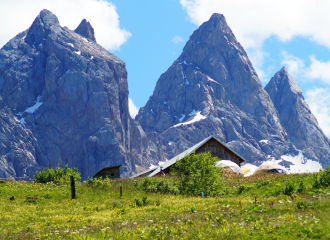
[(102, 213)]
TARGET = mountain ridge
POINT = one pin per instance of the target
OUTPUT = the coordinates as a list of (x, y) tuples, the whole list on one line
[(64, 100), (71, 95), (225, 91)]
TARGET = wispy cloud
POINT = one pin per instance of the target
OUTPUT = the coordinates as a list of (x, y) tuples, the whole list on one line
[(254, 21), (177, 39), (133, 110), (102, 15), (318, 70), (294, 64), (318, 100)]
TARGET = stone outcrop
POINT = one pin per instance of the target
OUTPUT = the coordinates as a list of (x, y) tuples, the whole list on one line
[(86, 30)]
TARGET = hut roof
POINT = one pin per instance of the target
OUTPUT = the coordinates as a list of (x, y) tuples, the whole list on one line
[(106, 168), (144, 172), (183, 154)]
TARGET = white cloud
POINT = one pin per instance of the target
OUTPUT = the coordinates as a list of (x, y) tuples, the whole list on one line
[(318, 70), (294, 64), (133, 110), (318, 100), (18, 15), (177, 39), (256, 20)]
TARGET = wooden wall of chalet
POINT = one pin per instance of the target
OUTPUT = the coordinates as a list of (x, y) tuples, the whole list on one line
[(109, 172), (218, 150)]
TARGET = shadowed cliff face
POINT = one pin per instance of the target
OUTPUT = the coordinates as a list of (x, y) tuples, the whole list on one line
[(213, 89), (70, 97), (296, 117)]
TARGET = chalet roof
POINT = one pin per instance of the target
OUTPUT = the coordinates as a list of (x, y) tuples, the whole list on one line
[(103, 169), (183, 154), (144, 172)]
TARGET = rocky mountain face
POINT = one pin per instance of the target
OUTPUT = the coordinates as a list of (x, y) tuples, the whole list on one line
[(64, 100), (212, 88), (296, 117)]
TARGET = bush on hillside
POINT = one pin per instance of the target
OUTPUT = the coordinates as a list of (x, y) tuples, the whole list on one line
[(99, 182), (325, 177), (58, 176), (197, 174), (158, 185)]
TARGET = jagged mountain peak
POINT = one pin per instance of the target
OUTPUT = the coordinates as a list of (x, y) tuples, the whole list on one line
[(64, 100), (86, 30), (48, 18), (296, 117), (283, 79), (212, 89)]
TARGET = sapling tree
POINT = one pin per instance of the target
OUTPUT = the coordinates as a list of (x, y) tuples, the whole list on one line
[(197, 173)]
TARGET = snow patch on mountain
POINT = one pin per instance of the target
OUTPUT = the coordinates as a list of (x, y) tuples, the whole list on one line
[(212, 80), (32, 109), (198, 116), (302, 164)]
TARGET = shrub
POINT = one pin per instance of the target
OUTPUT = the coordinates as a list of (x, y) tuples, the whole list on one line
[(99, 183), (289, 189), (301, 187), (316, 180), (141, 202), (58, 176), (161, 185), (262, 184), (301, 204), (325, 177), (197, 174), (241, 189)]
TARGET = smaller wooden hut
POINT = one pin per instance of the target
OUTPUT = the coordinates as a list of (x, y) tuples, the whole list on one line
[(109, 172)]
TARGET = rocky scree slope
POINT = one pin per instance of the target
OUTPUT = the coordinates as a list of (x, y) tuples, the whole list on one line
[(213, 89), (65, 101)]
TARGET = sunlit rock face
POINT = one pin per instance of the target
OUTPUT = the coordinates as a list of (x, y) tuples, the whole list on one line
[(64, 100), (70, 100), (296, 117), (213, 89)]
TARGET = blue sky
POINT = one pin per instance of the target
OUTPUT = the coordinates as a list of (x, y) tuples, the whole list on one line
[(149, 35), (152, 48)]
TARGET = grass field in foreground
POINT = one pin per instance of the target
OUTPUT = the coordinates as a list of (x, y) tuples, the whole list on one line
[(258, 210)]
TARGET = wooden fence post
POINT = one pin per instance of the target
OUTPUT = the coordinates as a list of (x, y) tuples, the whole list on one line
[(73, 188)]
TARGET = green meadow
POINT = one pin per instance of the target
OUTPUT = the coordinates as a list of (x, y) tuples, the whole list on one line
[(263, 207)]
